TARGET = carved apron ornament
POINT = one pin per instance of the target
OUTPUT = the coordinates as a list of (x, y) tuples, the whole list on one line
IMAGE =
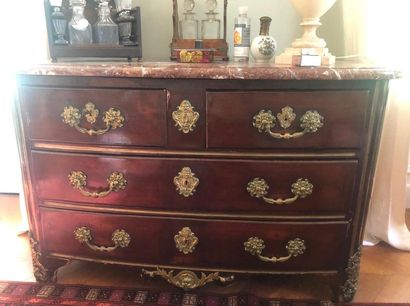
[(188, 280)]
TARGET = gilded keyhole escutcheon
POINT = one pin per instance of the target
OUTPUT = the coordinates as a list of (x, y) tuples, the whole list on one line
[(286, 117), (185, 117), (186, 241), (186, 182)]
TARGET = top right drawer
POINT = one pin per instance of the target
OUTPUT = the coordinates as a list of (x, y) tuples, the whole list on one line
[(288, 119)]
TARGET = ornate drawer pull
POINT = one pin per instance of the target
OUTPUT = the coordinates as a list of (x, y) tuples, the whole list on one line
[(310, 122), (185, 117), (255, 246), (258, 188), (186, 182), (116, 182), (112, 118), (188, 280), (120, 238)]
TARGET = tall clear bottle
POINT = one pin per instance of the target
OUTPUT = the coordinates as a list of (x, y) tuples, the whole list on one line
[(105, 29), (211, 27), (242, 36), (79, 29), (188, 27)]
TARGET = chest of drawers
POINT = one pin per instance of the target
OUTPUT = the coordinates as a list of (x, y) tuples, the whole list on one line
[(219, 169)]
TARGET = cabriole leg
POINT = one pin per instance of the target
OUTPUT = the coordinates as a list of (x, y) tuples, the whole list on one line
[(348, 290), (44, 270)]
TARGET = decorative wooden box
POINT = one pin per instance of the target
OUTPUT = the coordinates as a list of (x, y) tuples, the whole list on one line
[(93, 50), (219, 45), (195, 55)]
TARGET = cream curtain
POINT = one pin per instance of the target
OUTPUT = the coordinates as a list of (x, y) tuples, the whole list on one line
[(376, 29)]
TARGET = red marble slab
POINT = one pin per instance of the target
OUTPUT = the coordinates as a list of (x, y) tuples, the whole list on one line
[(343, 70)]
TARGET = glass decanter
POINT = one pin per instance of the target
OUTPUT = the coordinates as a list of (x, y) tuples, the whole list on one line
[(79, 29), (105, 29), (211, 27), (125, 19), (59, 22), (189, 25)]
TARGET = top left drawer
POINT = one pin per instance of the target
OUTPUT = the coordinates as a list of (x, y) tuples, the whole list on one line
[(95, 116)]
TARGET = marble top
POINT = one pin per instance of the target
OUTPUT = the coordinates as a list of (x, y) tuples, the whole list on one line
[(343, 70)]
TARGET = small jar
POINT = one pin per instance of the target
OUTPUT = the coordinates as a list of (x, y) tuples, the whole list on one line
[(263, 47)]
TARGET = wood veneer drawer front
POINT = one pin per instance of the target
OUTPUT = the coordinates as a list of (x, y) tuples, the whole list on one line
[(119, 116), (325, 119), (191, 185), (219, 243)]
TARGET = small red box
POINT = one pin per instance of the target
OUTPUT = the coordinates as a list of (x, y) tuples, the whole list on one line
[(195, 55)]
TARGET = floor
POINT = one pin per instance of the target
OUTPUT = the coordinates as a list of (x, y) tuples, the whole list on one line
[(384, 277)]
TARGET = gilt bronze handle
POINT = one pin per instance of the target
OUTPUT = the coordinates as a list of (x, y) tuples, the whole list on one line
[(120, 238), (265, 121), (116, 182), (258, 188), (112, 118), (188, 280), (255, 246)]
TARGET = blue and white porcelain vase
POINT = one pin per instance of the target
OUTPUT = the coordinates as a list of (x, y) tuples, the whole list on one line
[(263, 47)]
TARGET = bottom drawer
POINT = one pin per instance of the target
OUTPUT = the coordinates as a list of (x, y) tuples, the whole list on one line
[(193, 243)]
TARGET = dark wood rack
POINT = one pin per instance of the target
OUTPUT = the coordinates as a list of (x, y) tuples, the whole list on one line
[(93, 50)]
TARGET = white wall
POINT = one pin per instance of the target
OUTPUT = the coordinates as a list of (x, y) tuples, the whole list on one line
[(157, 22)]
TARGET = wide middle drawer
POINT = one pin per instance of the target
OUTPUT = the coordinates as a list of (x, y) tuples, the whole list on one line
[(219, 186)]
